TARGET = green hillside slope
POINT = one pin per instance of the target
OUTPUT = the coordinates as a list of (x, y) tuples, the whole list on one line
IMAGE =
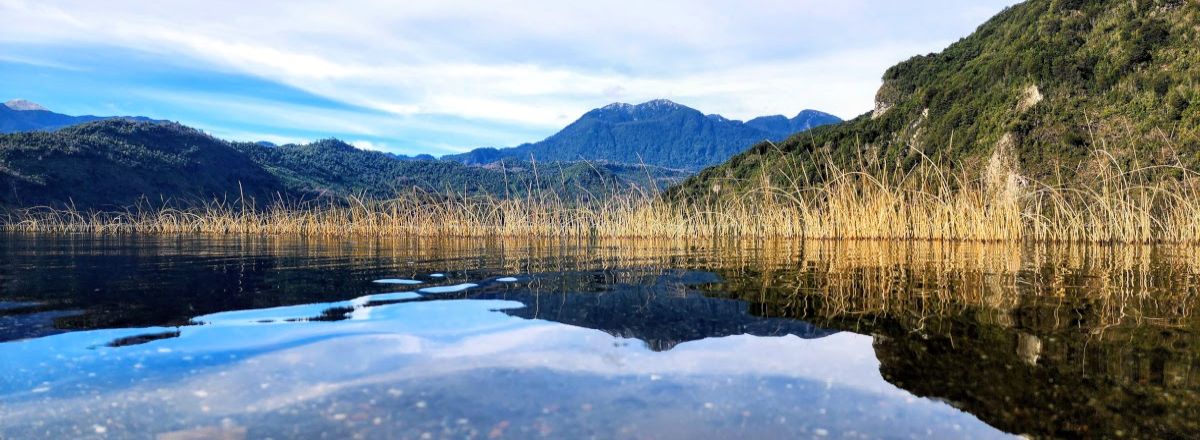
[(114, 163), (1035, 91)]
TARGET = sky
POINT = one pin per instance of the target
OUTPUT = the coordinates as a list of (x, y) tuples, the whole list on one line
[(447, 76)]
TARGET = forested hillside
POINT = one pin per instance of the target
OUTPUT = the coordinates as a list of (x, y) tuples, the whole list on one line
[(116, 163), (1035, 92)]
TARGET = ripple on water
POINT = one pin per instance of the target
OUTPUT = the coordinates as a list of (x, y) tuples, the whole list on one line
[(395, 296), (449, 289), (397, 281)]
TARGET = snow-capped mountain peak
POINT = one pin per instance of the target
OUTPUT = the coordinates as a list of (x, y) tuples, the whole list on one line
[(23, 105)]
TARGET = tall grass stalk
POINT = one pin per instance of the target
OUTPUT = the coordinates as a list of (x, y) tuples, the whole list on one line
[(926, 203)]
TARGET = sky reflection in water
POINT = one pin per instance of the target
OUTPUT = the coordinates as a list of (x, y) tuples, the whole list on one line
[(398, 367), (587, 342)]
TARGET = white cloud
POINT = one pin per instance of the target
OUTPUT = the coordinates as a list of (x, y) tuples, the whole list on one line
[(18, 59), (246, 136), (533, 64), (368, 145)]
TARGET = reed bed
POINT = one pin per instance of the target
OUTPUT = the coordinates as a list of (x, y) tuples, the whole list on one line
[(925, 203)]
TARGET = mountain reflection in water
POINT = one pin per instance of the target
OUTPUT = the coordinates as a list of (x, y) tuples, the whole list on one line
[(249, 337)]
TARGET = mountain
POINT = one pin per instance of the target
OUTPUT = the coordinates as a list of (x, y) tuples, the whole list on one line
[(1033, 91), (804, 121), (112, 163), (335, 168), (19, 115), (115, 163), (659, 132), (407, 157), (23, 105), (662, 314)]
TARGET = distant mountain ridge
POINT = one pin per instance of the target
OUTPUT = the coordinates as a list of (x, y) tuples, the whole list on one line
[(806, 120), (19, 115), (659, 132), (115, 163)]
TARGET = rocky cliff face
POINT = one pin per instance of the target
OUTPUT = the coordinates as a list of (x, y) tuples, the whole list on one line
[(885, 99)]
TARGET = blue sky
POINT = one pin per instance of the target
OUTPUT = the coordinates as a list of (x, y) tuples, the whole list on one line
[(446, 76)]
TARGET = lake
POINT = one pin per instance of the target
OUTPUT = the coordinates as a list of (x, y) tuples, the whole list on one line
[(190, 337)]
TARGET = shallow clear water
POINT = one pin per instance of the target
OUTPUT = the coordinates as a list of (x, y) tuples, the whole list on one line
[(192, 337)]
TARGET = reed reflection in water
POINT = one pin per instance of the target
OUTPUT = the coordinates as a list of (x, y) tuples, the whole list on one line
[(1042, 340)]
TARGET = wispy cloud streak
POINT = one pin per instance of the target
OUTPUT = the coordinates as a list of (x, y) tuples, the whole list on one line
[(530, 66)]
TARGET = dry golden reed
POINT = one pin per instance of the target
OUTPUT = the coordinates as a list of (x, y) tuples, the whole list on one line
[(927, 203)]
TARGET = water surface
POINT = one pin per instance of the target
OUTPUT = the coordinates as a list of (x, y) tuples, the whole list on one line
[(249, 337)]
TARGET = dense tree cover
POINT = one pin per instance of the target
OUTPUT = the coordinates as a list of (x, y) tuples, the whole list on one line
[(116, 163), (660, 133), (331, 166), (113, 163), (1053, 79)]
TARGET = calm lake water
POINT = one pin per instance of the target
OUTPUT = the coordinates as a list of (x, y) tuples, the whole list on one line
[(230, 338)]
